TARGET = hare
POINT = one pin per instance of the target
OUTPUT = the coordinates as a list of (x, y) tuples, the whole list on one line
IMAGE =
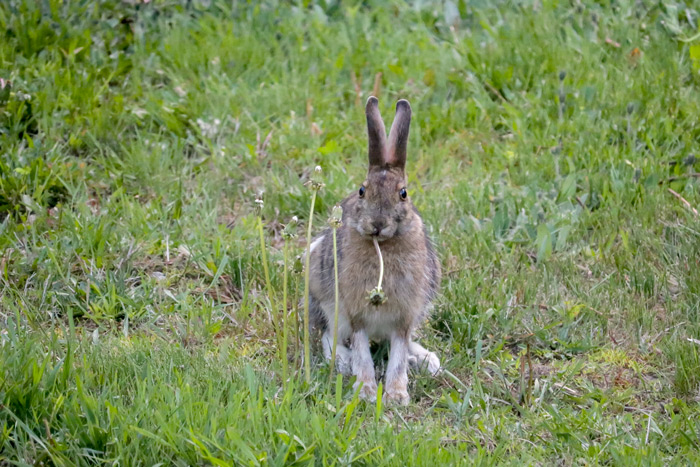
[(381, 209)]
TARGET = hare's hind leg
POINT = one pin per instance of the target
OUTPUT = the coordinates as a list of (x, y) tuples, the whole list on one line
[(423, 359), (343, 356)]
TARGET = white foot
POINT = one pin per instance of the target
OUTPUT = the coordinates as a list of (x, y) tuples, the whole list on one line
[(422, 359), (396, 398), (343, 355), (368, 391)]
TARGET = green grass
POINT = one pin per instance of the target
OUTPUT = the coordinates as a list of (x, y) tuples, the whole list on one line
[(136, 325)]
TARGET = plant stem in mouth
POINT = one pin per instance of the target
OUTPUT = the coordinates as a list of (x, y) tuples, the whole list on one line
[(381, 262), (377, 297)]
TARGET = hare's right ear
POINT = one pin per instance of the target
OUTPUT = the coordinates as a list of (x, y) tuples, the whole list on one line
[(398, 135), (376, 133)]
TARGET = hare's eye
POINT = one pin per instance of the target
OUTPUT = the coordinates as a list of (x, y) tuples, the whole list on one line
[(362, 192), (403, 194)]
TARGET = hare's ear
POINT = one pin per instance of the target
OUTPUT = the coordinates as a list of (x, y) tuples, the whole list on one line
[(398, 136), (375, 132)]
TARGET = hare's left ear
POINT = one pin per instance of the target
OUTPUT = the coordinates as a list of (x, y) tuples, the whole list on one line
[(398, 135)]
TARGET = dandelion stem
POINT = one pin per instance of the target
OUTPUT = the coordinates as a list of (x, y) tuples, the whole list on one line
[(288, 233), (377, 296), (381, 263), (285, 327), (307, 259), (335, 320), (268, 282)]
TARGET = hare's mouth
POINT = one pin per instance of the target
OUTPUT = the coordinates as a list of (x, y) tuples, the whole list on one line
[(371, 231), (380, 236)]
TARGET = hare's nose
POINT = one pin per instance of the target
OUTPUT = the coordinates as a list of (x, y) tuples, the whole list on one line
[(378, 226)]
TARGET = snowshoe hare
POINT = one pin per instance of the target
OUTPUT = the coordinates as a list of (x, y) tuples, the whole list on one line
[(380, 209)]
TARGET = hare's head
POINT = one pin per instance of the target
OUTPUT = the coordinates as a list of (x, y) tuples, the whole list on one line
[(382, 206)]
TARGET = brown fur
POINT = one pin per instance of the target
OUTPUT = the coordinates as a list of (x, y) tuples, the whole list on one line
[(411, 268)]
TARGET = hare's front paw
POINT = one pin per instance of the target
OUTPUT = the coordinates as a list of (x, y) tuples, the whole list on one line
[(368, 391), (397, 397), (343, 360)]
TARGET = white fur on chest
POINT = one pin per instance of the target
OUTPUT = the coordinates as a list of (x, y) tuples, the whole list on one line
[(380, 322)]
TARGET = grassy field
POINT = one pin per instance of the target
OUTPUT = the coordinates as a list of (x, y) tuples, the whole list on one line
[(553, 154)]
